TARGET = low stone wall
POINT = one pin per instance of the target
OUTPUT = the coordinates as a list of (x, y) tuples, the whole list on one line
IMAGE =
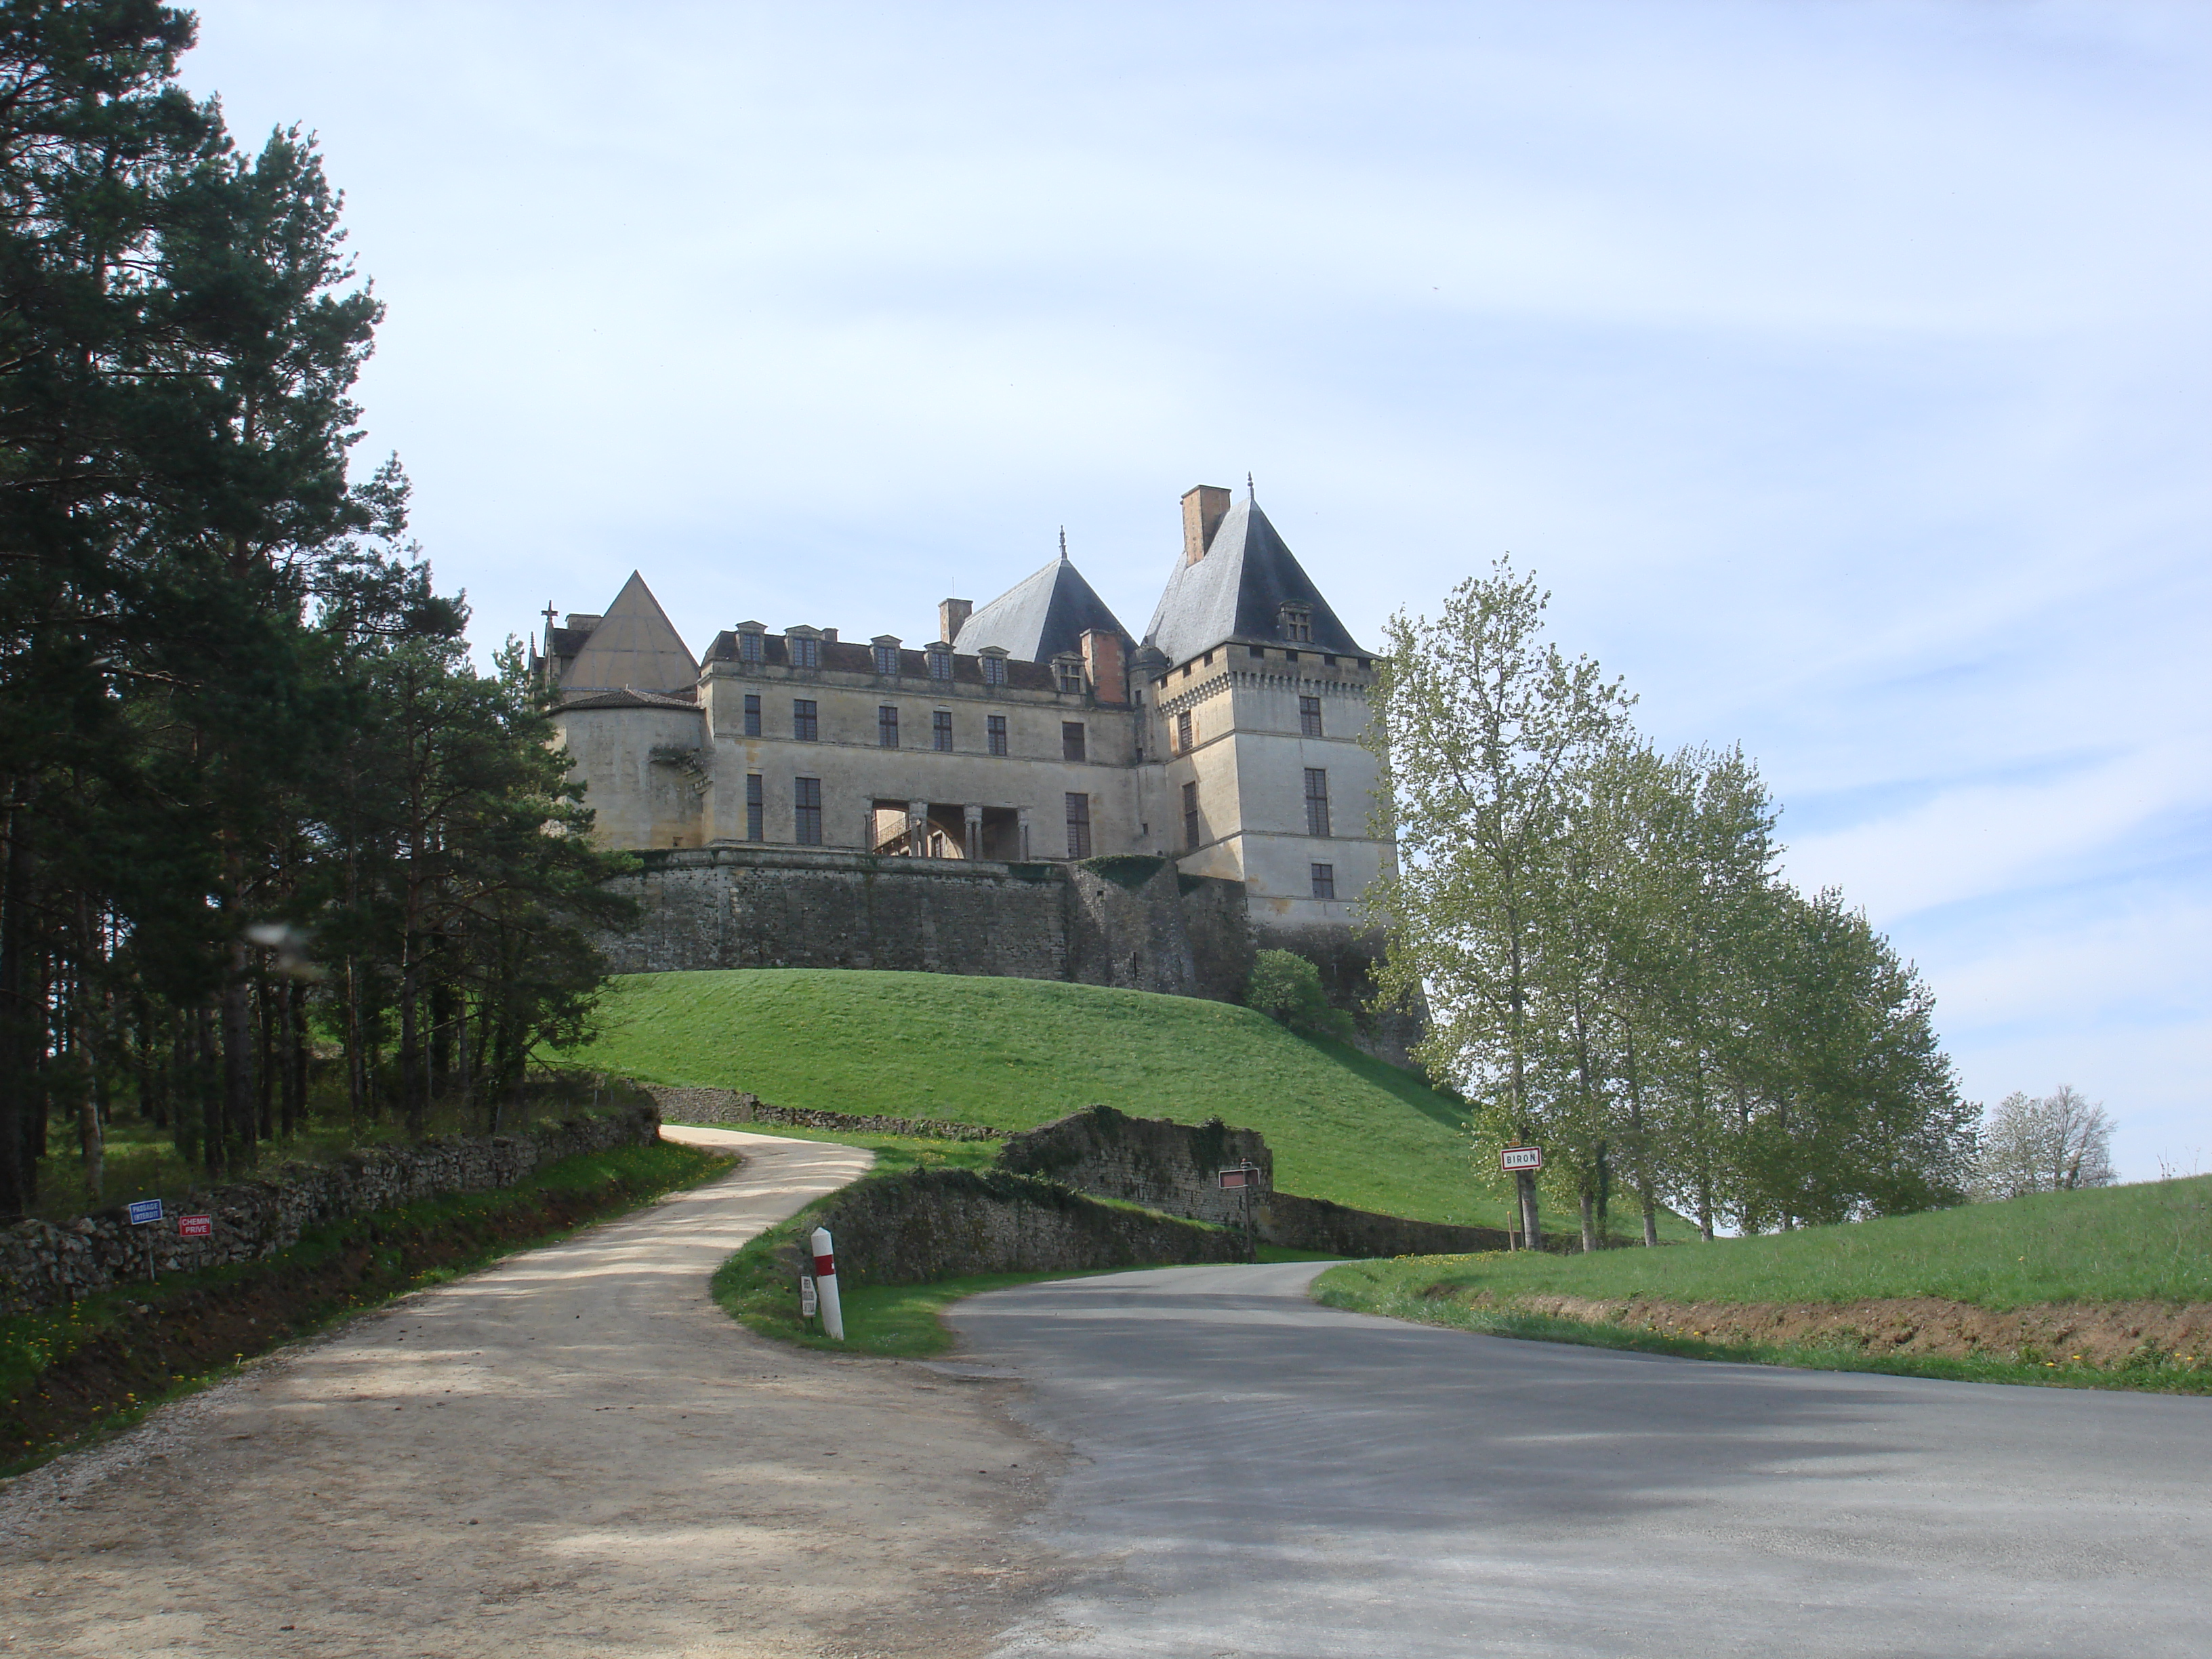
[(737, 1106), (42, 1262), (929, 1225), (1151, 1161), (1314, 1223)]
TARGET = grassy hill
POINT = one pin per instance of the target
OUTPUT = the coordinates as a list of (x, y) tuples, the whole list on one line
[(2150, 1242), (1016, 1053)]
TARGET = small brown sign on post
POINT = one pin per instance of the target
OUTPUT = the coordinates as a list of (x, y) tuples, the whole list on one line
[(1244, 1174)]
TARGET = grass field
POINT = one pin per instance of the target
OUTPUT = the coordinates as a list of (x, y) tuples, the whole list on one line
[(2152, 1242), (1012, 1053)]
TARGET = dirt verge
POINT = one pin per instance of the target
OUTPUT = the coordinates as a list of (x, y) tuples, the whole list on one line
[(2110, 1335)]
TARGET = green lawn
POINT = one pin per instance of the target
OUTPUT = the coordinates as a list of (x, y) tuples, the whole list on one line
[(2151, 1241), (1014, 1053)]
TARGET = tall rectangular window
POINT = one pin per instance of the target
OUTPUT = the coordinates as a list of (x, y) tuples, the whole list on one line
[(887, 660), (994, 727), (1310, 717), (751, 647), (752, 715), (1182, 732), (1324, 881), (806, 812), (940, 665), (1068, 676), (804, 724), (1078, 826), (994, 670), (755, 808), (887, 725), (805, 652), (1316, 801), (1190, 828), (1071, 741), (940, 728)]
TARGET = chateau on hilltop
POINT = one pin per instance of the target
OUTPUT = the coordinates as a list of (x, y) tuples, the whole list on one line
[(1028, 737)]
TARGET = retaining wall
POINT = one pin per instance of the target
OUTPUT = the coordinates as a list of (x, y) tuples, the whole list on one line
[(929, 1225), (1142, 1160), (737, 1106), (44, 1263)]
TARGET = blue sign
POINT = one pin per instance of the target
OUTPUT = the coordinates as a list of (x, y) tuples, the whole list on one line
[(145, 1210)]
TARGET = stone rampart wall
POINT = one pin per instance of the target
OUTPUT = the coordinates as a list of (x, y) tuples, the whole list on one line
[(42, 1262), (929, 1225), (1130, 922)]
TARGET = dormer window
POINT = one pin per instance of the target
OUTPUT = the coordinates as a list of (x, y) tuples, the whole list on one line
[(1297, 622), (887, 654), (806, 647), (752, 642), (1068, 674), (940, 661), (993, 659)]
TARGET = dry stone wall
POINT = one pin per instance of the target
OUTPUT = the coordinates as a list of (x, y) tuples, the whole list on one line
[(42, 1262), (739, 1106), (929, 1225), (1149, 1161)]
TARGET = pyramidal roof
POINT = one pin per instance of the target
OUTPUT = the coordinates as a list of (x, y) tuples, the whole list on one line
[(1041, 616), (1237, 591), (633, 645)]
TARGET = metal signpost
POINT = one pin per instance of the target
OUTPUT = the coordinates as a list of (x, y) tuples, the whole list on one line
[(1240, 1179)]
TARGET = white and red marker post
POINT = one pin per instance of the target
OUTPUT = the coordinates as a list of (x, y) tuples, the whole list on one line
[(825, 1286)]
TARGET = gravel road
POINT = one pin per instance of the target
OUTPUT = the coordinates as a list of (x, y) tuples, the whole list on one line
[(1256, 1475), (572, 1453)]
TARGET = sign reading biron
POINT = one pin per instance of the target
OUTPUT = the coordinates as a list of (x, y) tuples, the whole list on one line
[(1514, 1160)]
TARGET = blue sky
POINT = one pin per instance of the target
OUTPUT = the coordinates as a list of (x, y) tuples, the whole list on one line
[(1842, 369)]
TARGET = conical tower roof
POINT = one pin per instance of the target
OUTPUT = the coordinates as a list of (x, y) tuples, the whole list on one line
[(633, 645), (1237, 591), (1041, 616)]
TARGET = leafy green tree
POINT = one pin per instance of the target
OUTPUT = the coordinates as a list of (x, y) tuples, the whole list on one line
[(1286, 987)]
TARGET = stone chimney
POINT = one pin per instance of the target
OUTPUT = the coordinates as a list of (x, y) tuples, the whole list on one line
[(1102, 665), (1203, 510), (950, 614)]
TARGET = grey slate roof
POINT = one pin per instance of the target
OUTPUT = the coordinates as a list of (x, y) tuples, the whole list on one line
[(1237, 592), (1042, 616), (634, 644)]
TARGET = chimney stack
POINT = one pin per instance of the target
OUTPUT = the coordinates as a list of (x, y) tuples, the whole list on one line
[(1102, 663), (951, 615), (1203, 510)]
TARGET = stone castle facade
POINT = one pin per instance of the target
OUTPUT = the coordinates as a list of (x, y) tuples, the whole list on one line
[(1032, 732)]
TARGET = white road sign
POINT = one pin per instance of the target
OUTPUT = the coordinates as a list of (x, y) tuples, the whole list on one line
[(1516, 1159)]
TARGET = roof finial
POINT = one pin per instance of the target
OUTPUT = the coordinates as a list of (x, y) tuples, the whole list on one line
[(1250, 494), (1063, 541)]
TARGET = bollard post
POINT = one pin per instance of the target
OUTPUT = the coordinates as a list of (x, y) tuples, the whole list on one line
[(825, 1286)]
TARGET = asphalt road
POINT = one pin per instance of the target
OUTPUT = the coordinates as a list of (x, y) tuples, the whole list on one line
[(1257, 1475)]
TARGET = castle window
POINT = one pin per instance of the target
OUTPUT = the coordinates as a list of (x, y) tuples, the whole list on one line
[(1328, 661), (937, 844), (994, 669), (755, 808), (805, 652), (940, 663), (940, 728), (1068, 676), (752, 715), (1256, 650), (1208, 660), (1316, 801), (1191, 835), (1071, 741), (1308, 717), (887, 725), (805, 724), (1182, 732), (995, 731), (1324, 881), (752, 647), (1078, 826), (806, 812), (887, 660), (1290, 656), (1297, 622)]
